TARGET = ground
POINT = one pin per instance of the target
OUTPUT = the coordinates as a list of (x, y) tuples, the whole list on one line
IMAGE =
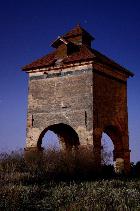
[(52, 187)]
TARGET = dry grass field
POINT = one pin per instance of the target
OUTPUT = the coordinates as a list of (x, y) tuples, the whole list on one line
[(63, 183)]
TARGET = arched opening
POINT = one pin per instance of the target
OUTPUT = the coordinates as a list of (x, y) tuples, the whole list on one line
[(66, 137), (115, 135), (107, 148), (50, 141)]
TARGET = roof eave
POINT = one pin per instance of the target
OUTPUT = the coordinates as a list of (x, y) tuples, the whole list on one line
[(129, 73), (60, 39)]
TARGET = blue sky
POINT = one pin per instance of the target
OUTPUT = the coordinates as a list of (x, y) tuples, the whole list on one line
[(27, 28)]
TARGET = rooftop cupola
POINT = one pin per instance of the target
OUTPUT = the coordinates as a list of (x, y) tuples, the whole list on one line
[(71, 41)]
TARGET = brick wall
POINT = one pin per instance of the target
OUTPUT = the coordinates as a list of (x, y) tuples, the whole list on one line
[(65, 99)]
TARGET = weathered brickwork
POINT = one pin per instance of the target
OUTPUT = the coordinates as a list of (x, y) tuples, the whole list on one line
[(66, 99), (110, 113), (78, 93)]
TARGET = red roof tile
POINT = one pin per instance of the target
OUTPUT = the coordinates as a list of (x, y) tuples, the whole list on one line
[(78, 30), (83, 54), (45, 61), (99, 57)]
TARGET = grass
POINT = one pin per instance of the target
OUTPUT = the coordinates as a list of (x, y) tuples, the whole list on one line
[(65, 183)]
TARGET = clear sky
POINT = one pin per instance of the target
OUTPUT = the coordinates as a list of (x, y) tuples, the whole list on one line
[(27, 28)]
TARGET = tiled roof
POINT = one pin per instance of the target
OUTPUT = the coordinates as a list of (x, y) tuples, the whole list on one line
[(45, 61), (84, 53), (99, 57), (78, 30), (49, 60)]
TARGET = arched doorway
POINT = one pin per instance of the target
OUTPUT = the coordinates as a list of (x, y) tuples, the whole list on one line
[(107, 148), (50, 141), (119, 139), (67, 136), (116, 136)]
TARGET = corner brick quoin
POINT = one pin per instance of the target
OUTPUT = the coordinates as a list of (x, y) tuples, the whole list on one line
[(78, 93)]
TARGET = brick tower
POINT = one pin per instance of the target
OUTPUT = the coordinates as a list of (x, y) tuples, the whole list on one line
[(78, 93)]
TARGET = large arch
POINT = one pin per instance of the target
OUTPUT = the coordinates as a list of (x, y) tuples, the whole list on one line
[(50, 141), (120, 142), (68, 138), (116, 136), (107, 149)]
